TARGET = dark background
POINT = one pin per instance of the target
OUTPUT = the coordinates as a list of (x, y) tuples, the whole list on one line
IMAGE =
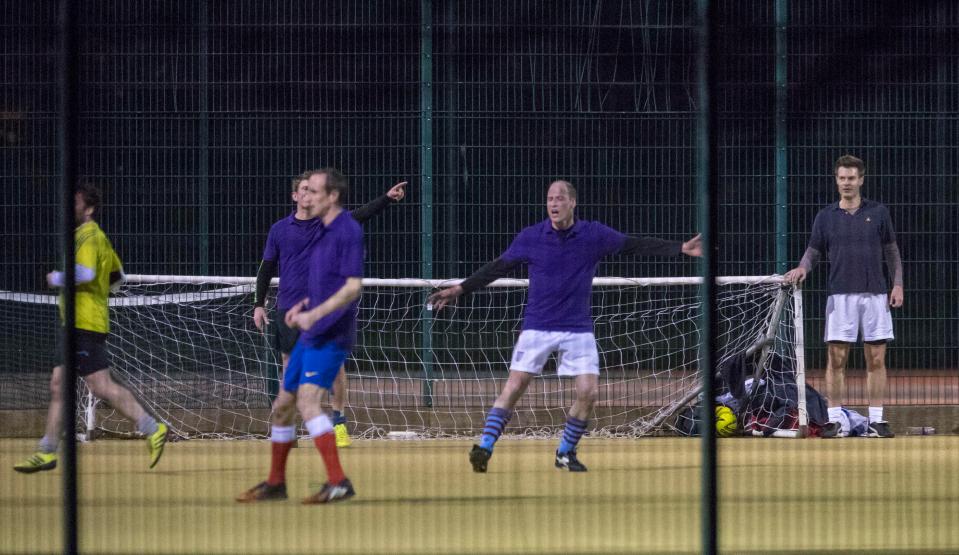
[(194, 115)]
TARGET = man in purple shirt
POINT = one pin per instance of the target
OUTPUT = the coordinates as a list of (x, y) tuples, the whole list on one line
[(286, 249), (855, 234), (327, 318), (562, 254)]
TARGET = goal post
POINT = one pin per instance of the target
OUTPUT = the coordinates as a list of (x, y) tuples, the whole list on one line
[(187, 347)]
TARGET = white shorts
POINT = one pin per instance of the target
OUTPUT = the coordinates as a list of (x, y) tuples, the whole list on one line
[(575, 352), (846, 314)]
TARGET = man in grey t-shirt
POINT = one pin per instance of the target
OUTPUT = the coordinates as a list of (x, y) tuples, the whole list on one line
[(855, 234)]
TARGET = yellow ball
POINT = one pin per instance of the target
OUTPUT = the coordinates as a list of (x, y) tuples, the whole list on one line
[(725, 421)]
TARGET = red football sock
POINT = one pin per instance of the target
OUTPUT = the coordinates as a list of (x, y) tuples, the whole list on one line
[(278, 463), (326, 444)]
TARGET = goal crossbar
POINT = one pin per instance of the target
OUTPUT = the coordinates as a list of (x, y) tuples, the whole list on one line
[(503, 282)]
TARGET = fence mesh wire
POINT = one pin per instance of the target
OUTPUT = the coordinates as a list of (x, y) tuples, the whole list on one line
[(194, 115)]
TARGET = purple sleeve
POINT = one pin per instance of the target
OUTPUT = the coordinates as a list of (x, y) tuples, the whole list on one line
[(609, 240), (518, 250), (817, 240), (270, 251), (351, 255), (887, 234)]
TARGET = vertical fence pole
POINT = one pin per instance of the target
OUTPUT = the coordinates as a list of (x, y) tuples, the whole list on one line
[(68, 161), (426, 170), (782, 180), (706, 188), (947, 194), (203, 215), (455, 195)]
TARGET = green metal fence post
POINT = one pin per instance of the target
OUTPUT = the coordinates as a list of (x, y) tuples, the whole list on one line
[(707, 179), (203, 211), (69, 152), (426, 170), (782, 181)]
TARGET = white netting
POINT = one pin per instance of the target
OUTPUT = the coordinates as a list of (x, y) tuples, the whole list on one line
[(188, 348)]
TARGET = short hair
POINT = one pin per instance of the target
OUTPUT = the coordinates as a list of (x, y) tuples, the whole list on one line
[(335, 181), (849, 161), (298, 179), (570, 188), (92, 196)]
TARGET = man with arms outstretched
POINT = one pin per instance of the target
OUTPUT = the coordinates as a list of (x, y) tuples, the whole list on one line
[(562, 253), (97, 269), (855, 234)]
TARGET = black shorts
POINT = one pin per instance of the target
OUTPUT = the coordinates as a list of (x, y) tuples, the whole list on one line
[(91, 353), (282, 337)]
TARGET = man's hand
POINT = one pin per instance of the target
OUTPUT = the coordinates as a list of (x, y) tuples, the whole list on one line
[(51, 279), (694, 247), (444, 297), (259, 318), (796, 275), (294, 312), (895, 298), (398, 191), (304, 320)]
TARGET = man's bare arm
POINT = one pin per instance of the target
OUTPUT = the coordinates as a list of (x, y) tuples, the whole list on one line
[(344, 295)]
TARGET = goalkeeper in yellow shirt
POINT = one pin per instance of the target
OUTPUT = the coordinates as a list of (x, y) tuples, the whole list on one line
[(97, 269)]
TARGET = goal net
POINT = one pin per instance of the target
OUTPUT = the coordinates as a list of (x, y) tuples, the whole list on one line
[(188, 348)]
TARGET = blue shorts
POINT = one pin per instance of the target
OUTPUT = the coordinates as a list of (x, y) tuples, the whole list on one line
[(313, 365)]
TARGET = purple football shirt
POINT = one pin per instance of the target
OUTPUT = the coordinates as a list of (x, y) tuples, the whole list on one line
[(335, 255), (562, 265), (287, 244)]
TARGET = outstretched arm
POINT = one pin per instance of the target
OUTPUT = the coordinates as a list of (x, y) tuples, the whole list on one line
[(651, 246), (480, 278), (366, 212), (694, 247), (263, 277)]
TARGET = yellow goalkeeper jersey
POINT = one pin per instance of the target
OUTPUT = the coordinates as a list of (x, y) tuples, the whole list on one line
[(93, 250)]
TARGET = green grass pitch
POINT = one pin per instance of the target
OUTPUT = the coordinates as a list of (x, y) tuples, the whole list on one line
[(639, 496)]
